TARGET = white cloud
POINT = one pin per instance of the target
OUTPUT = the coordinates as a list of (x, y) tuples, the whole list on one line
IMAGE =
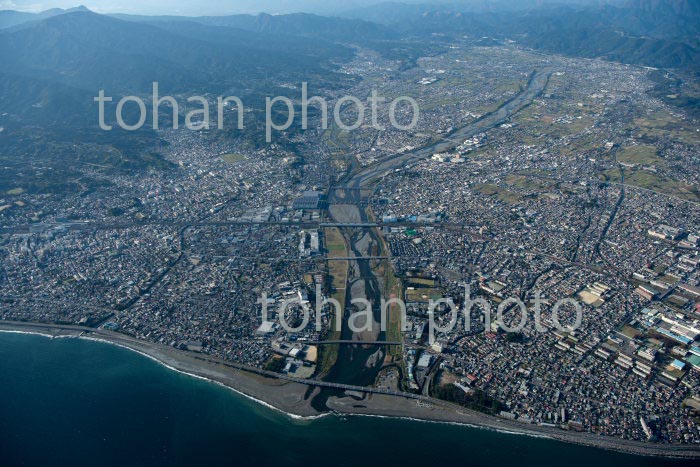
[(22, 6)]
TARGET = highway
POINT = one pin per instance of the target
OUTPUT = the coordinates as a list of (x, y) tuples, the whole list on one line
[(352, 342), (352, 187), (26, 228), (347, 203)]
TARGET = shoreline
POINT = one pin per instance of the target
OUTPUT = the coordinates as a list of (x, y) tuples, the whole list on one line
[(290, 398)]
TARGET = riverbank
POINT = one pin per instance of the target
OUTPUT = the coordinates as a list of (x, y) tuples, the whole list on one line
[(293, 398)]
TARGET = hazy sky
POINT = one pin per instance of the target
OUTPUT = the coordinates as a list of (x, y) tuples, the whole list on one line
[(193, 7), (224, 7)]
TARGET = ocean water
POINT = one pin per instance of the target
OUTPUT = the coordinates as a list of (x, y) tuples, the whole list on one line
[(72, 402)]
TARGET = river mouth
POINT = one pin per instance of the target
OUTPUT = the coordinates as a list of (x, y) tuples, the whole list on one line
[(359, 364)]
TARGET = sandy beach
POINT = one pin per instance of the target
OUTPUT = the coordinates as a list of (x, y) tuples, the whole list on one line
[(292, 398)]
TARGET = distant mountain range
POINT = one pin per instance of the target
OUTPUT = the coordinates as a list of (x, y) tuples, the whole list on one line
[(53, 63), (658, 33), (9, 18), (58, 55), (80, 51), (661, 33), (297, 24), (676, 7)]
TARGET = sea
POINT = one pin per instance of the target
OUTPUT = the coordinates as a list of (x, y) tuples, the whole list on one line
[(74, 402)]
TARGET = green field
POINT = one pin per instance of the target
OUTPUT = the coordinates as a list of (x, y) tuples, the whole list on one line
[(502, 194), (232, 158), (660, 124), (423, 295), (654, 182), (421, 281), (338, 271), (393, 288), (643, 155), (394, 321), (530, 184)]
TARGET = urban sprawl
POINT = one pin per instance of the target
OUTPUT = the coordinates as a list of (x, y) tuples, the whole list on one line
[(589, 193)]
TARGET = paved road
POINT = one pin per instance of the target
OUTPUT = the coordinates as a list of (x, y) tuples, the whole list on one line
[(352, 187), (328, 342), (347, 202), (25, 228)]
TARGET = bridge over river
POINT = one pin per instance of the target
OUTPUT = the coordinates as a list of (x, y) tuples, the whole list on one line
[(358, 365)]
